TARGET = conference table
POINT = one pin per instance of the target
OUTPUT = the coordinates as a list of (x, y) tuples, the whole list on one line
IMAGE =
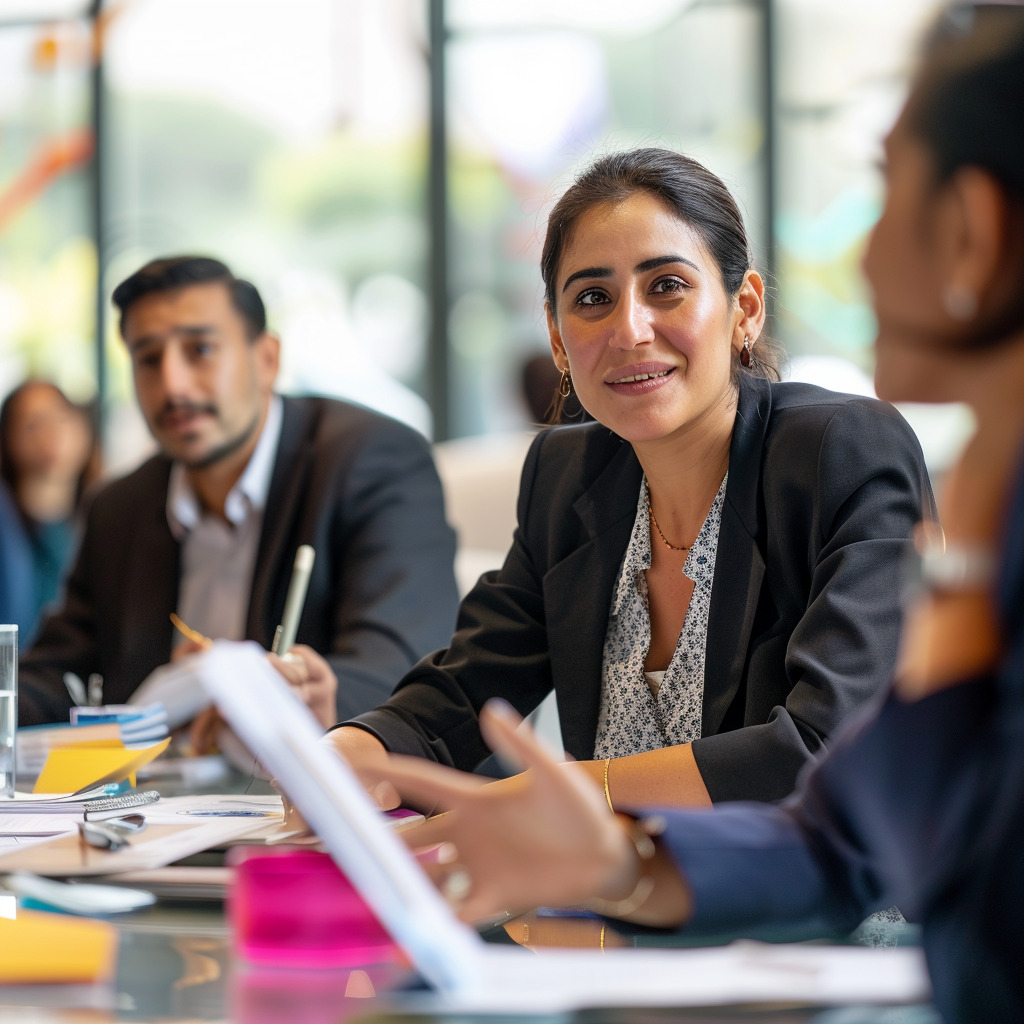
[(178, 962)]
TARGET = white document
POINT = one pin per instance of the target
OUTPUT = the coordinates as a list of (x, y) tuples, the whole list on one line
[(20, 830), (183, 810), (452, 957), (175, 686)]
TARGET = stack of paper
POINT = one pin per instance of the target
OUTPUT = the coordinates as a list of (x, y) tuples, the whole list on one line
[(36, 741), (136, 724), (118, 724)]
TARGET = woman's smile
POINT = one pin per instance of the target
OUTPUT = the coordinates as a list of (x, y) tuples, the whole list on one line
[(639, 379)]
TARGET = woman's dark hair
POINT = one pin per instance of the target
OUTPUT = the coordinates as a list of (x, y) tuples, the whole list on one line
[(694, 194), (966, 102), (174, 272), (8, 408), (966, 105)]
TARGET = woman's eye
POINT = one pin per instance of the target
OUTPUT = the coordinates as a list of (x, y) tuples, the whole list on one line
[(591, 297), (668, 285)]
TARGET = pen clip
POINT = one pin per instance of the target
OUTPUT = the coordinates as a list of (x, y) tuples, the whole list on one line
[(76, 688), (94, 834), (277, 640)]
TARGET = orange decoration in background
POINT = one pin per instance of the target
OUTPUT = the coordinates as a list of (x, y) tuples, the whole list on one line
[(55, 157)]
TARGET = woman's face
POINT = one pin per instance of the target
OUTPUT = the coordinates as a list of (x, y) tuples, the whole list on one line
[(644, 323), (907, 264), (48, 436)]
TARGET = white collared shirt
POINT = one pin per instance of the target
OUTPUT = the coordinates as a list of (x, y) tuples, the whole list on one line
[(218, 558)]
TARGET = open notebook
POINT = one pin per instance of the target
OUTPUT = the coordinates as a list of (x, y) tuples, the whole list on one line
[(451, 957)]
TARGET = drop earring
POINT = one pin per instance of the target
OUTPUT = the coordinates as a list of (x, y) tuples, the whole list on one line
[(745, 351), (960, 302), (565, 382)]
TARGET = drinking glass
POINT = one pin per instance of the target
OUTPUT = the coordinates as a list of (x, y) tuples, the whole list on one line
[(8, 707)]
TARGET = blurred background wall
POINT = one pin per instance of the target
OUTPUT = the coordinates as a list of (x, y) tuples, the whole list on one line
[(382, 170)]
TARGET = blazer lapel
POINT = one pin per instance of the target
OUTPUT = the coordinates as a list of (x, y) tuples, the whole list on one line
[(739, 565), (284, 501), (577, 596)]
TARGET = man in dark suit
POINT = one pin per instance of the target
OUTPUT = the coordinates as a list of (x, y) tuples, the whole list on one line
[(209, 527)]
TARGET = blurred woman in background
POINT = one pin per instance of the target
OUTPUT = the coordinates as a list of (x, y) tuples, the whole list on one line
[(46, 447)]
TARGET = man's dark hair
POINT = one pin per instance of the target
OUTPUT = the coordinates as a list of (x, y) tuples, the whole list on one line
[(172, 272)]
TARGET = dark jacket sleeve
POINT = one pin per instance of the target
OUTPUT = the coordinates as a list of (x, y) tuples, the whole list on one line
[(394, 588), (840, 506), (919, 806), (499, 649), (66, 642)]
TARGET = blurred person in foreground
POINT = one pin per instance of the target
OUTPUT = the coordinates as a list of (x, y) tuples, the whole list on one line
[(46, 448), (707, 575), (920, 802), (208, 528)]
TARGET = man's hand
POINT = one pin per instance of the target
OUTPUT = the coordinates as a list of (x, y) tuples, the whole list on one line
[(312, 679), (304, 670)]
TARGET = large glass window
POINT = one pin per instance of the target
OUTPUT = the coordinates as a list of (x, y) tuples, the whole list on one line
[(292, 140), (289, 140), (536, 91), (47, 256)]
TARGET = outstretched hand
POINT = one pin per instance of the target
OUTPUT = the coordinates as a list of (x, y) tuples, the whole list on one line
[(543, 837)]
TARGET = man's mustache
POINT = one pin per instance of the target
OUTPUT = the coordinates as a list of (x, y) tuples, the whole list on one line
[(188, 408)]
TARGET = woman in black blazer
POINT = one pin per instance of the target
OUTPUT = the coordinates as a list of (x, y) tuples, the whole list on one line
[(708, 575)]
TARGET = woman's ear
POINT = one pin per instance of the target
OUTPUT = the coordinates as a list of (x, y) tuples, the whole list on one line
[(555, 338), (976, 240), (750, 310)]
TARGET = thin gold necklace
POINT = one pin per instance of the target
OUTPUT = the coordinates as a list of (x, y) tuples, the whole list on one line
[(668, 544)]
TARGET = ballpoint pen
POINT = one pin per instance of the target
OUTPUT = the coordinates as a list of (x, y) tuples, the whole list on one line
[(284, 636)]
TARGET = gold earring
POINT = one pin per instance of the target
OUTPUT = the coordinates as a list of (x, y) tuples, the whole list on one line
[(565, 383)]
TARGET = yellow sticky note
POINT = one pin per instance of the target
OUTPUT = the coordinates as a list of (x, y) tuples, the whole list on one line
[(74, 767), (40, 948)]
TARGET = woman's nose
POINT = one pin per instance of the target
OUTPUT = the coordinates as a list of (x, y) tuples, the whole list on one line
[(632, 323)]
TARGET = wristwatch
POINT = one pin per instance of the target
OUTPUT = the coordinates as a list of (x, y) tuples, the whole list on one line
[(940, 566)]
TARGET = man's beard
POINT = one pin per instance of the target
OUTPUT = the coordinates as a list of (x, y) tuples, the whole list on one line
[(222, 451)]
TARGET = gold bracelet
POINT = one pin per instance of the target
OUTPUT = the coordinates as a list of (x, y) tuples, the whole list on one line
[(607, 792), (645, 850)]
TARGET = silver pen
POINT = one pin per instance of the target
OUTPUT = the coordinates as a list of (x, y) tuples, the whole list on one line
[(284, 635)]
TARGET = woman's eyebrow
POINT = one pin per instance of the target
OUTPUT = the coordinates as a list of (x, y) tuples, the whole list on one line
[(660, 261), (587, 272), (651, 264)]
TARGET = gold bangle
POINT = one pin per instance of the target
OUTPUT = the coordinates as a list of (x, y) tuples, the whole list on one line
[(645, 850), (607, 792)]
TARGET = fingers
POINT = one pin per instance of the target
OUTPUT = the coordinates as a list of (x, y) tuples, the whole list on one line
[(425, 783), (187, 647), (512, 739), (293, 669), (293, 819)]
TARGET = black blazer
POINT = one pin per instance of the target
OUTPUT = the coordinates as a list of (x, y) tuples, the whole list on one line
[(358, 486), (823, 492)]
